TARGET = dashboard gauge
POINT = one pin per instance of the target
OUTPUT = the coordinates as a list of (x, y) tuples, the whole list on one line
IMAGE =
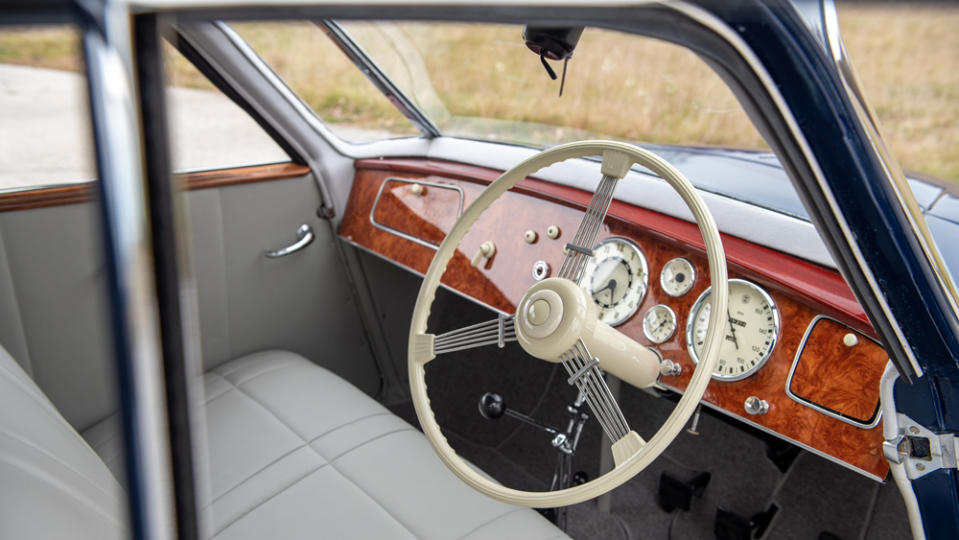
[(659, 323), (616, 276), (677, 277), (750, 334)]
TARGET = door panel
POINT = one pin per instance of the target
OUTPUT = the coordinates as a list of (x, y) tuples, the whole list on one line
[(53, 303)]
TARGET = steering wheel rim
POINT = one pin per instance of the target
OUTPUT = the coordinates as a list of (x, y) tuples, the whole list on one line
[(420, 350)]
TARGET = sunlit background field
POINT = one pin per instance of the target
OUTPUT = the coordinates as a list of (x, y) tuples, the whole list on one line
[(907, 58)]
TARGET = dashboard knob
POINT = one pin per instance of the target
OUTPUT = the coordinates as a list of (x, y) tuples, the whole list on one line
[(754, 405), (486, 250)]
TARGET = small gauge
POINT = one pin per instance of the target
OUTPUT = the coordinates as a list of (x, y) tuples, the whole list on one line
[(750, 332), (677, 277), (659, 323), (616, 276)]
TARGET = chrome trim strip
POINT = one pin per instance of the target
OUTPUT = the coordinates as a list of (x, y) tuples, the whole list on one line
[(876, 415), (380, 79), (765, 429), (690, 324), (402, 234), (710, 21)]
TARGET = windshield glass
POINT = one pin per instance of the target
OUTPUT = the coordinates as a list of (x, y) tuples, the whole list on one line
[(480, 81)]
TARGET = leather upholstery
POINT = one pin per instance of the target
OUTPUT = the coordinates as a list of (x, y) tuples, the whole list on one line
[(52, 484), (294, 452)]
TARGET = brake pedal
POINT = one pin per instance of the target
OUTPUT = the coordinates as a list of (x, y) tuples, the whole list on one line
[(675, 493)]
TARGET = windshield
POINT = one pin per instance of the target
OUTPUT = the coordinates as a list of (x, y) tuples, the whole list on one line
[(480, 81)]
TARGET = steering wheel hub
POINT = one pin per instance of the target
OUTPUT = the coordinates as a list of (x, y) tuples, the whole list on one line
[(552, 316)]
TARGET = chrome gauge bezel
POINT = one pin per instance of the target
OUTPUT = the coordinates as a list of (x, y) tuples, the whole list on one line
[(690, 323), (672, 314), (692, 277), (587, 277)]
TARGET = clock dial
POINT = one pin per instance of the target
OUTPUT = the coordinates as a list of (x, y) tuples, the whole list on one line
[(616, 277)]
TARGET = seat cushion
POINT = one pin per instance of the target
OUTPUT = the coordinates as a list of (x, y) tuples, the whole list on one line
[(297, 452), (52, 485)]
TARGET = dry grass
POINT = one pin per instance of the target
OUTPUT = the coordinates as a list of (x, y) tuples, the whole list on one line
[(908, 61), (636, 89)]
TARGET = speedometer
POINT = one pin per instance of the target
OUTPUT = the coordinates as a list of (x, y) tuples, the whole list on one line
[(750, 335), (616, 277)]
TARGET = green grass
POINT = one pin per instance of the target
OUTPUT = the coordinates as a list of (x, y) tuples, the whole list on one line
[(632, 88)]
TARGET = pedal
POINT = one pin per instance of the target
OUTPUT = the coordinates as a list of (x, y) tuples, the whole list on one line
[(781, 453), (732, 526), (675, 493)]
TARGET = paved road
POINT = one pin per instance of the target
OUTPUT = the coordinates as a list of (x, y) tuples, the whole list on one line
[(45, 135)]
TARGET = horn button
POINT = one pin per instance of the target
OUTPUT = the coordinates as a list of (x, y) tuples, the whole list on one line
[(552, 316)]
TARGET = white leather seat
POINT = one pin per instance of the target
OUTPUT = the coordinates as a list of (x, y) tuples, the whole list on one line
[(295, 452)]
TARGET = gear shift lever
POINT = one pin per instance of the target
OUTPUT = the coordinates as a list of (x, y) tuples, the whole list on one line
[(492, 407)]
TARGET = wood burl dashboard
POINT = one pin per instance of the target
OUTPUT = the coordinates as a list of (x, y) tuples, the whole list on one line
[(821, 381)]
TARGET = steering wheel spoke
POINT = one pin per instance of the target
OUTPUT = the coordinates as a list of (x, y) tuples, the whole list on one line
[(498, 331), (579, 250), (584, 373)]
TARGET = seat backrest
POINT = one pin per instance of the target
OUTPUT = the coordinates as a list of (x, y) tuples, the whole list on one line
[(52, 484)]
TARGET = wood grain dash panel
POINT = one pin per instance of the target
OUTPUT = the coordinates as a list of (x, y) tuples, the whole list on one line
[(843, 379), (27, 199), (801, 290), (428, 215)]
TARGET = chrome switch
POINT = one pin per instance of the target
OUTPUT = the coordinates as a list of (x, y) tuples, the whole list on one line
[(754, 405)]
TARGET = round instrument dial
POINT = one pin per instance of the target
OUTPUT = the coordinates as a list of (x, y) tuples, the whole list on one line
[(616, 276), (677, 277), (659, 323), (751, 330)]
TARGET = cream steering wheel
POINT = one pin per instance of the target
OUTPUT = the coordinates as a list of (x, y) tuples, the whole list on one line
[(556, 321)]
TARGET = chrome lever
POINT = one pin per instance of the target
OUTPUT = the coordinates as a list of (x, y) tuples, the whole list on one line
[(304, 236)]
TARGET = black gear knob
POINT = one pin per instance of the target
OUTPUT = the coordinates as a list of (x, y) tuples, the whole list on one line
[(491, 406)]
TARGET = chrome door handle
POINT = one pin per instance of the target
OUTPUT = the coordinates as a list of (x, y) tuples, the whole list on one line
[(304, 235)]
